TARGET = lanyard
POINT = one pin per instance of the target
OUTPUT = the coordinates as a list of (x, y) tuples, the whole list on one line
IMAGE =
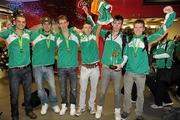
[(115, 54), (66, 40), (20, 41), (67, 43), (48, 42), (135, 48)]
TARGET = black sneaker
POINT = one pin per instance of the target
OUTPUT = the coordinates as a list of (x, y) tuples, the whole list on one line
[(139, 118), (31, 115), (124, 115)]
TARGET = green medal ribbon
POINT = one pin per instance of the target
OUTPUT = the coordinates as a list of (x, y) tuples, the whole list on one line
[(20, 41), (135, 48), (114, 52), (67, 42), (48, 42)]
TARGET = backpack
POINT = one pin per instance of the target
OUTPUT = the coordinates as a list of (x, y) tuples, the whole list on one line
[(166, 45), (35, 100)]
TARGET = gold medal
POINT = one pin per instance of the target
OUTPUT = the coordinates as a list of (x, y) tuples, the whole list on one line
[(68, 50), (21, 50)]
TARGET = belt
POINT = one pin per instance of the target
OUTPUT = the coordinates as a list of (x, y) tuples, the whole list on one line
[(23, 67), (89, 66), (48, 66)]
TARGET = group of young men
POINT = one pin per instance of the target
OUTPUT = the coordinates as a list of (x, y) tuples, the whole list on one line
[(118, 51)]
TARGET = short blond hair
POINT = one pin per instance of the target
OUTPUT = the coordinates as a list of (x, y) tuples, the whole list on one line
[(62, 17)]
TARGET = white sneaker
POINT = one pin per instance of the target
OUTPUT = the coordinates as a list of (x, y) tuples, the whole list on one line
[(117, 114), (44, 108), (80, 111), (72, 109), (63, 109), (56, 109), (98, 112), (167, 104), (154, 106), (92, 110)]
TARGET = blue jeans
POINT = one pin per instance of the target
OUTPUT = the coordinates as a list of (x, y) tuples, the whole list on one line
[(17, 76), (41, 74), (64, 74)]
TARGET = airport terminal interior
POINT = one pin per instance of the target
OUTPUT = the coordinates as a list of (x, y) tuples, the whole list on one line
[(151, 11)]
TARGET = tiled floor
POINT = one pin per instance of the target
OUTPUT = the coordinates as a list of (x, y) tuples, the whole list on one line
[(149, 114)]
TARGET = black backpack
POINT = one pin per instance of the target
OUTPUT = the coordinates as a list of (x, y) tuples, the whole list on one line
[(35, 100)]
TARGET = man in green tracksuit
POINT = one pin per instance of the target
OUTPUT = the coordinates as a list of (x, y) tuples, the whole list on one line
[(113, 60), (163, 55), (89, 66), (43, 42), (137, 65), (67, 62), (17, 39)]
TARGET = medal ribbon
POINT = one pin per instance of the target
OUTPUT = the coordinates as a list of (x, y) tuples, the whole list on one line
[(67, 43), (135, 47), (20, 41), (48, 42), (66, 40), (114, 57)]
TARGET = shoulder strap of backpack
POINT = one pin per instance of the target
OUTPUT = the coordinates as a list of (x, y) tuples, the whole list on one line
[(146, 44), (107, 34), (166, 45), (124, 41)]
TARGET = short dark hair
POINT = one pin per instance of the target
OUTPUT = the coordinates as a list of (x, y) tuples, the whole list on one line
[(87, 22), (139, 21), (18, 13), (118, 17), (46, 20)]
